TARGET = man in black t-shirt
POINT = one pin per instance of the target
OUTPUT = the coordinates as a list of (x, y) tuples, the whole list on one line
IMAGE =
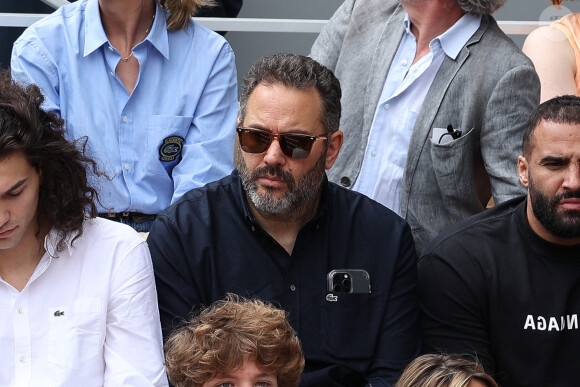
[(504, 286)]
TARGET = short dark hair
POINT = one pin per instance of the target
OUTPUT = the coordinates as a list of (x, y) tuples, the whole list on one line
[(564, 109), (301, 73), (227, 333), (65, 198)]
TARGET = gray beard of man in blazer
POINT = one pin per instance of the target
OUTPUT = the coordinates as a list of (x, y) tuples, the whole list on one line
[(488, 93)]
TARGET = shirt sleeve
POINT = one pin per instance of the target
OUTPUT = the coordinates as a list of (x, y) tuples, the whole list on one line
[(209, 146), (503, 130), (31, 63), (399, 341), (326, 48), (454, 317), (177, 292), (133, 345)]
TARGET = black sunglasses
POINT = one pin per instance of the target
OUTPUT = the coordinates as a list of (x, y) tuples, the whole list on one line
[(293, 145)]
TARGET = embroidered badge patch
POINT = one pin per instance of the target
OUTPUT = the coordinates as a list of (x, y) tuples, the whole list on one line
[(171, 148)]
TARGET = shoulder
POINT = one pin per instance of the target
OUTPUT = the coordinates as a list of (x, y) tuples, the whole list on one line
[(469, 237), (548, 42), (67, 16), (492, 42), (198, 35), (217, 194), (110, 235), (358, 207)]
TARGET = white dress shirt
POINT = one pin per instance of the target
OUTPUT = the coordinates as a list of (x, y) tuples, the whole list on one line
[(406, 86), (88, 315)]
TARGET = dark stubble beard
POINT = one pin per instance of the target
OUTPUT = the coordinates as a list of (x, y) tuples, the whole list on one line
[(297, 202), (563, 224)]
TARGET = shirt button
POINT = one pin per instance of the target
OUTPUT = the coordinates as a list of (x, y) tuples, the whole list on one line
[(127, 167), (404, 62), (387, 106), (124, 118), (253, 228), (112, 74), (110, 48), (23, 359), (20, 311), (373, 153), (292, 287), (345, 181)]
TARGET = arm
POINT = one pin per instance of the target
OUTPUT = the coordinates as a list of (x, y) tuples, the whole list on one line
[(553, 57), (133, 346), (512, 101), (176, 290), (326, 48), (399, 343), (454, 315), (32, 63), (209, 145)]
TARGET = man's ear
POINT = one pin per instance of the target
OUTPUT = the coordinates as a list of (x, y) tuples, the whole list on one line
[(334, 145), (523, 171)]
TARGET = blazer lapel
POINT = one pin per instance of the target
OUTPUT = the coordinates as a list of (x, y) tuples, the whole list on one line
[(381, 62), (431, 106)]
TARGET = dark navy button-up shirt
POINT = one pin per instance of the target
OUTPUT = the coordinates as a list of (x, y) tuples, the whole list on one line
[(208, 244)]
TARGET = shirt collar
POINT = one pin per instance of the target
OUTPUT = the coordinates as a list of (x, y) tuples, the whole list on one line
[(453, 40), (95, 35)]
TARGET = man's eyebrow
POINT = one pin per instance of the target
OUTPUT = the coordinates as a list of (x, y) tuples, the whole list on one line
[(296, 131), (553, 158), (17, 185)]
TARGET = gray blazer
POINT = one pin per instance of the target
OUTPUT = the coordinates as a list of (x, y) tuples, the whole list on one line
[(487, 92)]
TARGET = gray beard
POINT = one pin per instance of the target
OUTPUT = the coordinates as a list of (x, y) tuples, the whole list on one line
[(297, 202)]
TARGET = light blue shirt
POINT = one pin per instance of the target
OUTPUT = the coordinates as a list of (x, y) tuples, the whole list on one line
[(406, 85), (186, 87)]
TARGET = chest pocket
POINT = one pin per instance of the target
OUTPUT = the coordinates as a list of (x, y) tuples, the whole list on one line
[(76, 332), (164, 134), (351, 325)]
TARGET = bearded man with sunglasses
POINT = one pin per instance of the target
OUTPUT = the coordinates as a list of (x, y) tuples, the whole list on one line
[(341, 264)]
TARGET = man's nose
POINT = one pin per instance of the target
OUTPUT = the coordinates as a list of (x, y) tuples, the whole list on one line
[(572, 178), (274, 155)]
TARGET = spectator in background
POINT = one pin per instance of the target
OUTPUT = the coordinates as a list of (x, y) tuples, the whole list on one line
[(276, 229), (78, 301), (236, 342), (154, 92), (444, 370), (427, 130), (555, 52), (503, 286)]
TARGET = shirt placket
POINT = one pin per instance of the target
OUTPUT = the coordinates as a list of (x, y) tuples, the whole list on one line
[(22, 339)]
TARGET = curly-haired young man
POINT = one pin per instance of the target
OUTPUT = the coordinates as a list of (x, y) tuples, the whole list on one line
[(78, 301), (237, 342)]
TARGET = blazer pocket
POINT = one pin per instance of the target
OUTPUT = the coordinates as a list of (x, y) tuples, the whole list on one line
[(74, 332), (453, 164)]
